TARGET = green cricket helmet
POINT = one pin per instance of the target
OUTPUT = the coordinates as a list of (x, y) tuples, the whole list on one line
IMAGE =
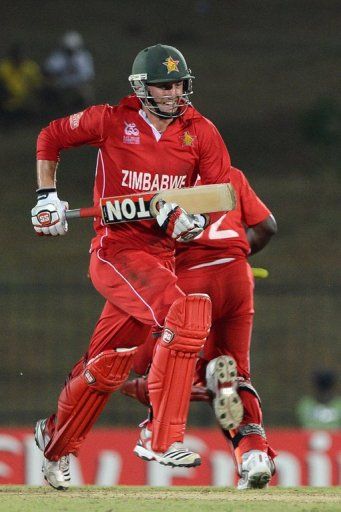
[(160, 64)]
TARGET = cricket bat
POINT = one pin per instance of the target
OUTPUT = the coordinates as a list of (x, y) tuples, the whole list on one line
[(144, 206)]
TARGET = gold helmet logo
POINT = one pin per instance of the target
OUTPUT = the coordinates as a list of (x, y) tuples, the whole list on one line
[(171, 64)]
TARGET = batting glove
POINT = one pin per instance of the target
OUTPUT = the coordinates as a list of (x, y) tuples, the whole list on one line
[(179, 224), (48, 215)]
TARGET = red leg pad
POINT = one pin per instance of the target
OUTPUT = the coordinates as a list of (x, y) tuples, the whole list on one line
[(84, 397), (171, 375)]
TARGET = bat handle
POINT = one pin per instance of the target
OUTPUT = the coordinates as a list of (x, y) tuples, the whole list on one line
[(155, 204), (92, 211)]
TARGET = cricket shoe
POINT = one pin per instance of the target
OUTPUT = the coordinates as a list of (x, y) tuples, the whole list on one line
[(221, 379), (175, 456), (56, 473), (256, 470)]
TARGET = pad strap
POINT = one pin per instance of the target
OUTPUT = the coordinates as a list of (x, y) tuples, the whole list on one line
[(248, 430), (247, 386)]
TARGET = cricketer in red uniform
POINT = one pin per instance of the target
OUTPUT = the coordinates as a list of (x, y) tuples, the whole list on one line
[(216, 263), (132, 264)]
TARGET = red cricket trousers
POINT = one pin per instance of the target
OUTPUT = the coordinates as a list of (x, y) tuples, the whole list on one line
[(139, 289), (230, 287)]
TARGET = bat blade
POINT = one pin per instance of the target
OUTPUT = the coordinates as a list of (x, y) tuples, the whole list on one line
[(144, 206), (202, 199)]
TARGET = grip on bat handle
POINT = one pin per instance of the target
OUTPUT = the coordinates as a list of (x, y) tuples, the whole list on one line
[(92, 211), (72, 214), (155, 205)]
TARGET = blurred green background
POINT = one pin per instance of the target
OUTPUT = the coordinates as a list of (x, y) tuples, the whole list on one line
[(268, 75)]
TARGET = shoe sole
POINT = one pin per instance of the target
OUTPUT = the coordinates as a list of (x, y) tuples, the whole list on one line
[(259, 480), (228, 406), (256, 481), (144, 454), (59, 488)]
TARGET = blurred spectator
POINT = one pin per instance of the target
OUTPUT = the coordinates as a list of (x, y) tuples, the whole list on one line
[(322, 410), (69, 72), (20, 85)]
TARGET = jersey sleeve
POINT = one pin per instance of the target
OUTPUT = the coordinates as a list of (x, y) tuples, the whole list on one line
[(214, 159), (253, 210), (88, 127)]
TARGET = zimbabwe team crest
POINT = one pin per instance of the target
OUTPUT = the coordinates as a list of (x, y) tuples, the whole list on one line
[(171, 65), (187, 139)]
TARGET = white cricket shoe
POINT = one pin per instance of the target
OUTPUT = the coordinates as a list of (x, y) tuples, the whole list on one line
[(256, 470), (221, 380), (175, 456), (56, 473)]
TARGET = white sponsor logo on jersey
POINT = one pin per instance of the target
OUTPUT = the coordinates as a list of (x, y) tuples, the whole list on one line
[(131, 134), (146, 181), (74, 120)]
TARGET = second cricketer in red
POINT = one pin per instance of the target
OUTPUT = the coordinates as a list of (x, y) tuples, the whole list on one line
[(216, 263)]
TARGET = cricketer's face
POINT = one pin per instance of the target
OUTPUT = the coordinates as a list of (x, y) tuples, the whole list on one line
[(167, 96)]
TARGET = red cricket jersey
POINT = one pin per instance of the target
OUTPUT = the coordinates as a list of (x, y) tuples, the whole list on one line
[(131, 160), (225, 238)]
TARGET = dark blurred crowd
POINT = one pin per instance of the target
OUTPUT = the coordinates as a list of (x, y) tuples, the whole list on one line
[(63, 83)]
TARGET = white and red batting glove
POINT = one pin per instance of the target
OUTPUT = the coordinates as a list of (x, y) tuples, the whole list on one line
[(179, 224), (48, 215)]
